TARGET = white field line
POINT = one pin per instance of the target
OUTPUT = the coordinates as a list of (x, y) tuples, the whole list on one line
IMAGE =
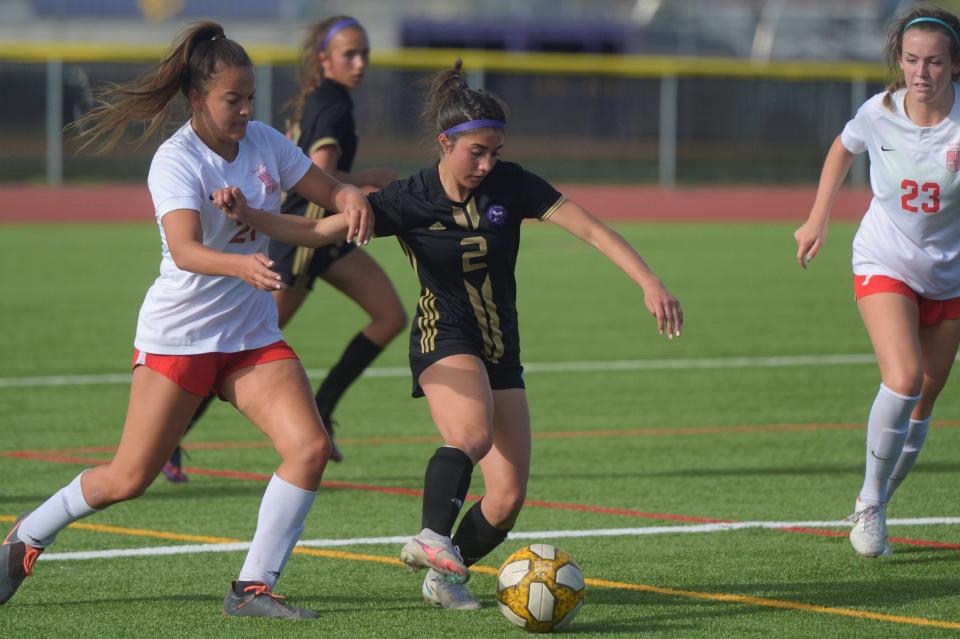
[(544, 367), (188, 549)]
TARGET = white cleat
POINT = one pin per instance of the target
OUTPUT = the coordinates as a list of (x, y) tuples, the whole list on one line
[(438, 592), (869, 533)]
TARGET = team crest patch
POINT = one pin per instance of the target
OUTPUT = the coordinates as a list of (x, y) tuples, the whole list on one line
[(267, 179), (496, 215), (953, 157)]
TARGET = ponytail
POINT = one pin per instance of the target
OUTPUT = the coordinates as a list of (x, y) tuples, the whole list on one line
[(198, 53), (450, 101)]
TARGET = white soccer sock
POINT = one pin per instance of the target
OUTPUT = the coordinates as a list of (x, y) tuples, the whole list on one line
[(41, 526), (886, 432), (916, 435), (282, 512)]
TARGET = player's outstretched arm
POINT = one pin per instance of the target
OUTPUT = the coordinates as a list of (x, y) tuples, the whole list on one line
[(811, 236), (184, 235), (290, 229), (319, 187), (659, 301)]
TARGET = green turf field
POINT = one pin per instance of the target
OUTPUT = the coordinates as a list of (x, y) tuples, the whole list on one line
[(745, 418)]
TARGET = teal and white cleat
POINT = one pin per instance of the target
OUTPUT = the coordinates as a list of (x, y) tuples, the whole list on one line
[(440, 593)]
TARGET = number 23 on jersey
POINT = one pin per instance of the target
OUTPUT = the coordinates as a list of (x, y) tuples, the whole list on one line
[(917, 197)]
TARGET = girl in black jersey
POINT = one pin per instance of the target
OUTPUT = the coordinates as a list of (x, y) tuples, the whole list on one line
[(334, 57), (459, 223)]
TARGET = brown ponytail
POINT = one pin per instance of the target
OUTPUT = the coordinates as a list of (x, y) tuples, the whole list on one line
[(196, 55), (893, 46), (310, 71), (450, 101)]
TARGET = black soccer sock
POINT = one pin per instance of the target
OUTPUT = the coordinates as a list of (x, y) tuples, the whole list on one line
[(360, 352), (176, 456), (476, 537), (445, 487), (201, 409)]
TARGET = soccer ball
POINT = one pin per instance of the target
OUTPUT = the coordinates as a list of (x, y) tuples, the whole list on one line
[(540, 588)]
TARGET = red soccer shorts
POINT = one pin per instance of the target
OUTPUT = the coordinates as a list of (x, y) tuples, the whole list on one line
[(932, 312), (203, 373)]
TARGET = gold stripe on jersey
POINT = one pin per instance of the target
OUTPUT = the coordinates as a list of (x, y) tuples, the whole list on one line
[(488, 319), (469, 217), (428, 321), (553, 209), (304, 254), (322, 142), (409, 253)]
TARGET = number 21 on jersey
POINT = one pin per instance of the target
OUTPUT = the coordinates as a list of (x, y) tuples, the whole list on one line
[(245, 234), (916, 197)]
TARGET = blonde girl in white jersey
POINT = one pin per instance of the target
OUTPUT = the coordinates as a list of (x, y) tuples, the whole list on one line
[(209, 322), (906, 259)]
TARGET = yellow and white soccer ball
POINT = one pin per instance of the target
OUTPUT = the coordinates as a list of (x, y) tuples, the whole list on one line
[(540, 588)]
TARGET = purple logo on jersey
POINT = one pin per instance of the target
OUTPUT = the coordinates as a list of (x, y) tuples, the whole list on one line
[(953, 158), (267, 179), (497, 215)]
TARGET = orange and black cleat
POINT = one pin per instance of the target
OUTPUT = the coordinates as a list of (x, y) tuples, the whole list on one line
[(16, 561)]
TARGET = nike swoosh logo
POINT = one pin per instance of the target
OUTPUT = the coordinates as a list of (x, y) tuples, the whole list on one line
[(883, 148)]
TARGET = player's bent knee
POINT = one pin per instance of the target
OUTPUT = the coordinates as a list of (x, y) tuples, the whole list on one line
[(396, 322), (476, 446), (504, 508), (313, 452), (125, 488), (905, 382)]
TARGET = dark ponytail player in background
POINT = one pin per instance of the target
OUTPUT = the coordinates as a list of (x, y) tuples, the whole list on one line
[(459, 222)]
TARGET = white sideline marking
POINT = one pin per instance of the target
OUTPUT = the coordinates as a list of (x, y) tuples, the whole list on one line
[(188, 549), (544, 367)]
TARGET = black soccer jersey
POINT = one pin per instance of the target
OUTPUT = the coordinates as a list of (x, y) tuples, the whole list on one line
[(464, 254), (327, 120)]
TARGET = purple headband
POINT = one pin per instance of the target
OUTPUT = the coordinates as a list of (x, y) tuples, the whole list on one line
[(346, 23), (470, 125)]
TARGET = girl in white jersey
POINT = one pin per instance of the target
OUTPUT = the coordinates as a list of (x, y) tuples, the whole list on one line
[(209, 322), (906, 255)]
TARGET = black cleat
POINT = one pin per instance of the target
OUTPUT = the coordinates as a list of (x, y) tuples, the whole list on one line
[(253, 599), (16, 561)]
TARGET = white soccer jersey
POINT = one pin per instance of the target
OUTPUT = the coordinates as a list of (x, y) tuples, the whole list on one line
[(911, 231), (185, 313)]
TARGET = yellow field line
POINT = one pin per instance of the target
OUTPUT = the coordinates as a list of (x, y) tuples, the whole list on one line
[(354, 556), (599, 583), (152, 534), (776, 603)]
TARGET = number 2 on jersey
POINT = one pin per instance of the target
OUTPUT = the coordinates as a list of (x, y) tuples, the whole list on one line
[(471, 259), (928, 196)]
